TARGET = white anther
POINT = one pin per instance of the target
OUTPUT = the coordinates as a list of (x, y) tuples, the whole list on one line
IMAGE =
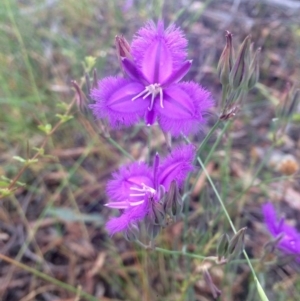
[(153, 90)]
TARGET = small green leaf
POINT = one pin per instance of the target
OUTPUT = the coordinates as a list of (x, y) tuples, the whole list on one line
[(21, 184), (89, 63), (41, 151), (64, 118), (45, 128), (5, 192), (31, 161), (20, 159), (6, 179)]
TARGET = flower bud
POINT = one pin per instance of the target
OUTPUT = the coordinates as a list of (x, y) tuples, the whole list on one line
[(173, 202), (213, 288), (131, 233), (236, 244), (226, 60), (157, 213), (152, 230), (223, 244), (123, 49), (81, 102), (240, 70), (254, 70)]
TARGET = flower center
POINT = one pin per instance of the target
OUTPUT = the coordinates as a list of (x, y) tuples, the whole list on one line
[(141, 192), (153, 90)]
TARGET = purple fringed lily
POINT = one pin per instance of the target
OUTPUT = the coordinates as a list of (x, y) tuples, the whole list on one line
[(152, 89), (290, 241), (137, 189)]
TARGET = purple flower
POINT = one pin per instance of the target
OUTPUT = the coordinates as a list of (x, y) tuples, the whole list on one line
[(136, 189), (152, 89), (290, 241)]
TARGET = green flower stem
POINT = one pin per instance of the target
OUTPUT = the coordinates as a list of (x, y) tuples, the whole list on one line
[(119, 147), (165, 251), (259, 287), (210, 152), (212, 258), (67, 287), (203, 143)]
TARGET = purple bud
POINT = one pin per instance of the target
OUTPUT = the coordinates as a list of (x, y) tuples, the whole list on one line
[(213, 288), (81, 102), (123, 49), (240, 71), (173, 202), (254, 70), (236, 244), (157, 213), (223, 244), (152, 230), (226, 60), (131, 233)]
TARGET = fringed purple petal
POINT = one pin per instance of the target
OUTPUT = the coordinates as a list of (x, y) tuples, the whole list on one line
[(133, 215), (176, 166), (185, 107), (121, 188), (113, 100), (159, 52)]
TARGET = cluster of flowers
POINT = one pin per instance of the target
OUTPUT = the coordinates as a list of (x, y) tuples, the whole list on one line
[(154, 65)]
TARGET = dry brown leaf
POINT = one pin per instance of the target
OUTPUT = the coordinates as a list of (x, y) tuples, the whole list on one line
[(98, 264)]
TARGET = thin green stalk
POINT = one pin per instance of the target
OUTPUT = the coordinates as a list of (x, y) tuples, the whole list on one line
[(203, 143), (202, 257), (119, 147), (68, 287), (211, 152), (258, 285), (170, 252)]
